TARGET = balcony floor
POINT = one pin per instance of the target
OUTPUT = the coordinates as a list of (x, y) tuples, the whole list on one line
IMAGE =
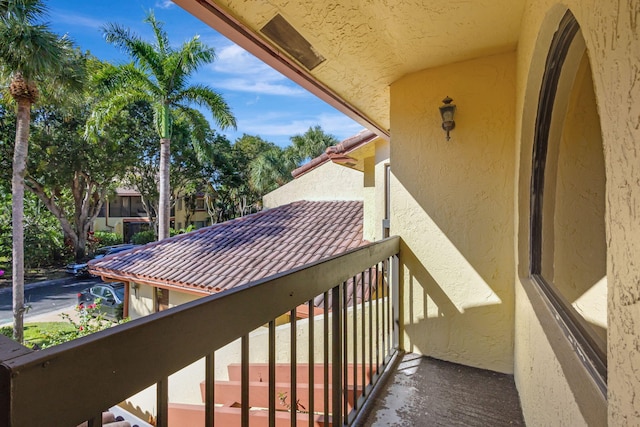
[(429, 392)]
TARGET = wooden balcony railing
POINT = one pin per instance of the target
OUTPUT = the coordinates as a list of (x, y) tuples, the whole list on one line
[(75, 381)]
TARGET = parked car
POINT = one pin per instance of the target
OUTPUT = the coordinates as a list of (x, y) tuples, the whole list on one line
[(81, 270), (111, 296)]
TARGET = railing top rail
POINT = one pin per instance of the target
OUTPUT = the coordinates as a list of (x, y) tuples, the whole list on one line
[(72, 381)]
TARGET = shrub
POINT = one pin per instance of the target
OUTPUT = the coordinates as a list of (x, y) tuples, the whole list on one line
[(107, 238), (147, 236), (91, 320), (143, 237)]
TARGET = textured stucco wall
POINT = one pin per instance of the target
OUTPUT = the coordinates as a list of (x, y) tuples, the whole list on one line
[(545, 396), (140, 301), (115, 225), (378, 211), (176, 298), (369, 193), (326, 182), (612, 38), (453, 207)]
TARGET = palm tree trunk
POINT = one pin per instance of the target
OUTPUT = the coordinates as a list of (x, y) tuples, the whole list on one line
[(163, 208), (17, 206)]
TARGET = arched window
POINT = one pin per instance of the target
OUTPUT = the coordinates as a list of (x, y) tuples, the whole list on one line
[(567, 229)]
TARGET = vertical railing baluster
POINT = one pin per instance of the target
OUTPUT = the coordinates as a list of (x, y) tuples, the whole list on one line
[(354, 312), (209, 389), (384, 332), (336, 357), (389, 311), (395, 283), (294, 369), (326, 358), (370, 325), (244, 383), (378, 285), (312, 379), (362, 332), (162, 402), (272, 373), (345, 351)]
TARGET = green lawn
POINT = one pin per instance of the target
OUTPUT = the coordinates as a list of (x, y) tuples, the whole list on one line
[(37, 333)]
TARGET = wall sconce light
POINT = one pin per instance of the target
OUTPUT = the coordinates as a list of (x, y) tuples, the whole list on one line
[(447, 110)]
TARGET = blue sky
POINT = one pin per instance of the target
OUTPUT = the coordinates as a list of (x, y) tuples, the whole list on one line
[(264, 102)]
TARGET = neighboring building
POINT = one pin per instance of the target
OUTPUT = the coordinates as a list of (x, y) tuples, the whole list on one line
[(124, 214), (355, 169)]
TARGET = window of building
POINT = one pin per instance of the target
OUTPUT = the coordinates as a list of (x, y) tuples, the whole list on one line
[(568, 243)]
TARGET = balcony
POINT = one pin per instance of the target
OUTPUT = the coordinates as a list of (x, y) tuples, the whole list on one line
[(329, 359)]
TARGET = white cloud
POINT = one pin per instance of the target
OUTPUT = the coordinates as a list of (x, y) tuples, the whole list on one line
[(164, 4), (249, 74), (239, 84)]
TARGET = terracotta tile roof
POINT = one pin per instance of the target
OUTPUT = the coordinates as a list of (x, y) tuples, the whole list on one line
[(236, 252), (338, 151)]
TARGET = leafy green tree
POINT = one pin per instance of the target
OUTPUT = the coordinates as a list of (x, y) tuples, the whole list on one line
[(271, 166), (270, 170), (230, 192), (72, 176), (159, 75), (29, 52)]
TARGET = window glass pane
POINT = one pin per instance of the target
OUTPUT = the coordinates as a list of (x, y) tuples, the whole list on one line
[(573, 228)]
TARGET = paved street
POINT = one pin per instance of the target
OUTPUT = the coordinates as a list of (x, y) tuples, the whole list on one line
[(52, 298)]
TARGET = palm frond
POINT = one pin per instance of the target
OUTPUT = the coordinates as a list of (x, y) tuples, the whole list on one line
[(162, 40), (195, 54), (202, 95), (28, 45), (141, 52), (109, 108)]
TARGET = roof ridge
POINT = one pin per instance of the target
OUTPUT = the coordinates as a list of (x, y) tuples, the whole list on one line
[(361, 138)]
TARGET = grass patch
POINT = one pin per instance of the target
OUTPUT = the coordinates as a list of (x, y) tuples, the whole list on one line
[(38, 333)]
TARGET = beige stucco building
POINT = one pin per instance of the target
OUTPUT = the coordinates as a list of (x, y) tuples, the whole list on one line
[(124, 213), (520, 235)]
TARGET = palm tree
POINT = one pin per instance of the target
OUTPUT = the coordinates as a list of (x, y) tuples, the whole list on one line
[(310, 144), (29, 52), (270, 170), (159, 75)]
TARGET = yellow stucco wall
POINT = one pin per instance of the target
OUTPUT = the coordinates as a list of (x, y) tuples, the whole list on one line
[(326, 182), (115, 225), (374, 209), (176, 298), (140, 300), (612, 39), (453, 207)]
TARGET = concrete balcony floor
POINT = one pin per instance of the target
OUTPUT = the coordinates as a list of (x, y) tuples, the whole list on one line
[(429, 392)]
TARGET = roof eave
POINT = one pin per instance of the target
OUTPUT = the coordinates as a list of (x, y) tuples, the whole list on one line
[(226, 24)]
